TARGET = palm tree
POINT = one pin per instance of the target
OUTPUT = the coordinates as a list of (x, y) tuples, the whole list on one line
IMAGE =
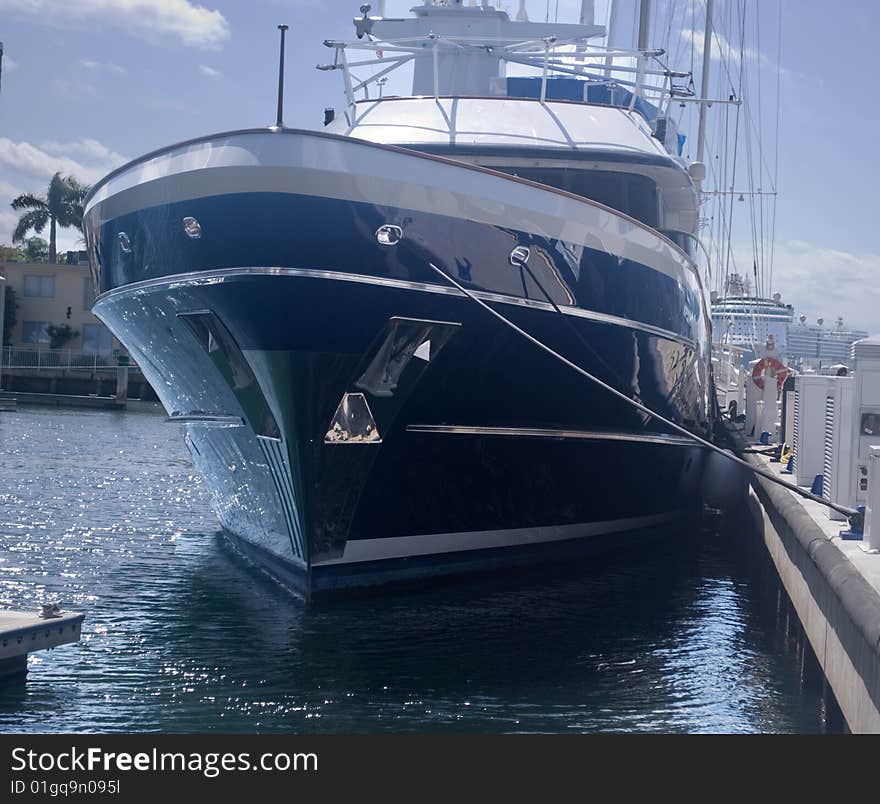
[(62, 206)]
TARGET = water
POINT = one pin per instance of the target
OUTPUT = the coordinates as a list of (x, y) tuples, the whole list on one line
[(104, 512)]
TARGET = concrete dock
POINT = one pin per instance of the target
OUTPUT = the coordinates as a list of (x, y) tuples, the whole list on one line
[(22, 632), (834, 586)]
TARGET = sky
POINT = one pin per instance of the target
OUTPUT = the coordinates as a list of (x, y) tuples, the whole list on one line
[(89, 84)]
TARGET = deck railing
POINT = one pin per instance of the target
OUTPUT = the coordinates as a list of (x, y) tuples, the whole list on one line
[(15, 357)]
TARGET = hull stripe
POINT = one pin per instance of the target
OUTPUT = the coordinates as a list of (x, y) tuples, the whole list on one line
[(407, 546), (341, 167), (225, 274)]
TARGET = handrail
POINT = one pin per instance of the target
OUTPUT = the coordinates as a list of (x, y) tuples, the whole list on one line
[(39, 359), (567, 56)]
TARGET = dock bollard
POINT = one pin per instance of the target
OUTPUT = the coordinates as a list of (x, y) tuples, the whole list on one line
[(872, 504), (122, 378), (856, 531), (768, 410)]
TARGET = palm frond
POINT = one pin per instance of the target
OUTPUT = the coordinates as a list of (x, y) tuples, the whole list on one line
[(28, 201), (55, 194), (36, 219), (70, 194), (75, 190)]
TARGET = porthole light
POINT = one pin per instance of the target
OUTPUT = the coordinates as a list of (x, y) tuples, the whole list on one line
[(192, 228), (519, 256), (389, 235)]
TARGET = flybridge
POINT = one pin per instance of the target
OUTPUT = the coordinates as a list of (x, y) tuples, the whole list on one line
[(461, 51)]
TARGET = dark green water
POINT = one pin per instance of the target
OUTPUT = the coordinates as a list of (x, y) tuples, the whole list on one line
[(103, 512)]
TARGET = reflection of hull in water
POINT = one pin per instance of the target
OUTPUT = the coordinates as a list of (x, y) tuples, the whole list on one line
[(357, 421)]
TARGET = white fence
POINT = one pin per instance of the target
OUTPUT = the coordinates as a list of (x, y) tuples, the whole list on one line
[(62, 359)]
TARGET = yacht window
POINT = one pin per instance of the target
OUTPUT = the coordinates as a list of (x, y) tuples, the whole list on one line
[(629, 193)]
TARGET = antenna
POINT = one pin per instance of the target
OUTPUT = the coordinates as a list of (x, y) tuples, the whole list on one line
[(280, 121)]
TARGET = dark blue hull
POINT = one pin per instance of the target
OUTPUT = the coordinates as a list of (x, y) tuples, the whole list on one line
[(361, 422), (491, 436)]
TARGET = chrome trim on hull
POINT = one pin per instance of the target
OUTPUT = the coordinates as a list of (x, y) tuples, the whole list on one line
[(205, 419), (223, 274), (533, 432)]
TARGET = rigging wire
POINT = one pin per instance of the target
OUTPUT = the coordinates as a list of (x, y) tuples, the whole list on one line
[(760, 153), (756, 267), (776, 144), (733, 171)]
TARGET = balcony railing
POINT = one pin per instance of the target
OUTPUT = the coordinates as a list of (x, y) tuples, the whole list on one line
[(14, 357)]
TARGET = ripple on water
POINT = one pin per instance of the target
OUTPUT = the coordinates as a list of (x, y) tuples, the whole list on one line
[(104, 512)]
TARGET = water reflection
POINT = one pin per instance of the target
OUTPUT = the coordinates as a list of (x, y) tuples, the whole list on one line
[(103, 511)]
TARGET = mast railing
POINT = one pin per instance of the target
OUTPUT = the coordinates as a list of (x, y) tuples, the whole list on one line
[(640, 72)]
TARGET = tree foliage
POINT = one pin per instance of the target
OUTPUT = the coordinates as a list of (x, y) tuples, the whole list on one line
[(62, 206), (35, 249), (60, 334), (8, 253)]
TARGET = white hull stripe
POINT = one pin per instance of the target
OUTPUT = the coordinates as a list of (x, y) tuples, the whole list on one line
[(432, 544), (352, 170), (221, 275)]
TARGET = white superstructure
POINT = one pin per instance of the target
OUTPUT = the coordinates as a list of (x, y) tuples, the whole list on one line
[(816, 346), (748, 322)]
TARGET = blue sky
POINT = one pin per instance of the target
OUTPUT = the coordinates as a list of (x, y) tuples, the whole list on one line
[(88, 84)]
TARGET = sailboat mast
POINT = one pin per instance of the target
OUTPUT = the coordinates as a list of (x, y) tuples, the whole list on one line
[(588, 12), (611, 38), (644, 23), (704, 91)]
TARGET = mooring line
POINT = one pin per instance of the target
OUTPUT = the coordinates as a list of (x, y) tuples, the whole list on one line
[(852, 515)]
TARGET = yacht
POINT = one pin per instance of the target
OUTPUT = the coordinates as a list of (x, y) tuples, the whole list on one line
[(311, 305)]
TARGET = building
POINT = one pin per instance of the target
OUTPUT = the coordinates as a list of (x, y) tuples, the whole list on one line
[(58, 294), (86, 366), (2, 312)]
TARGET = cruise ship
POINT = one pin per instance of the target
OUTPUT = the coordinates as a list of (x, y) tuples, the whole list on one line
[(818, 347), (741, 319), (304, 302)]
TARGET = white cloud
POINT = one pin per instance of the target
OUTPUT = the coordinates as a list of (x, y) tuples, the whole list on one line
[(87, 160), (194, 25), (723, 50), (88, 150), (26, 167), (74, 90), (210, 72), (824, 282), (99, 66), (8, 222)]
